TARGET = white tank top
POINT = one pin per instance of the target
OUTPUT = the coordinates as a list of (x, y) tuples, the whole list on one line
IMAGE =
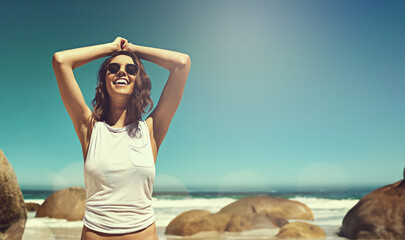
[(119, 172)]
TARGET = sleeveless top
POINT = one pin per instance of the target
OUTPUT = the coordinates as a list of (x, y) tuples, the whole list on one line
[(119, 172)]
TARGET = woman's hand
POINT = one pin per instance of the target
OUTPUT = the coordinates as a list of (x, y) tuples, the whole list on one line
[(120, 43), (128, 47)]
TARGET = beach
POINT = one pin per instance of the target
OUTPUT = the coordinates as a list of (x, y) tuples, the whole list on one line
[(328, 208)]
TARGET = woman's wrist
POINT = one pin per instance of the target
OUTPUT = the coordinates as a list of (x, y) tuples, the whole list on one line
[(131, 48), (164, 58), (111, 47)]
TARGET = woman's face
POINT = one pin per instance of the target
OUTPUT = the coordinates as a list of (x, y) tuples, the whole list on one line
[(120, 84)]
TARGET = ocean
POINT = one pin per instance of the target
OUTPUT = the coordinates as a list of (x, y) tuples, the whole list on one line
[(329, 208)]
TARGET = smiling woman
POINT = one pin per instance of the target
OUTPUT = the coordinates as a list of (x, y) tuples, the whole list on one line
[(121, 80), (119, 149)]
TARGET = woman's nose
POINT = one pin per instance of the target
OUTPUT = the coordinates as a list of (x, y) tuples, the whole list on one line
[(122, 72)]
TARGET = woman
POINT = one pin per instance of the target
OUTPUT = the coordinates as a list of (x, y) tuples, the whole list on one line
[(119, 149)]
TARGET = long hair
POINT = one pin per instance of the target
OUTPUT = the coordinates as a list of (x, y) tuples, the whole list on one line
[(140, 102)]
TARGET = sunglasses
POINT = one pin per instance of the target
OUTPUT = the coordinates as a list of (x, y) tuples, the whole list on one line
[(131, 69)]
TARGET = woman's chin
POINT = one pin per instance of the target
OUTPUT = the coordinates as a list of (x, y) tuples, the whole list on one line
[(120, 90)]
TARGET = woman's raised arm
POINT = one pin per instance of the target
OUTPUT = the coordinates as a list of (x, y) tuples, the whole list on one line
[(63, 64), (179, 66)]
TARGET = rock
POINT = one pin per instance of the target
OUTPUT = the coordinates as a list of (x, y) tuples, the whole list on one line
[(13, 214), (279, 208), (31, 207), (66, 204), (378, 215), (301, 230), (242, 215), (248, 222), (195, 221)]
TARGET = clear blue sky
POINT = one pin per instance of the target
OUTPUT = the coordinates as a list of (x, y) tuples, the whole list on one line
[(281, 93)]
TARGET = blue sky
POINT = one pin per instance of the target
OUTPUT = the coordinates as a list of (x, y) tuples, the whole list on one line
[(281, 94)]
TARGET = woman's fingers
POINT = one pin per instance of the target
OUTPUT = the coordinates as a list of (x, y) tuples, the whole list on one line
[(128, 47), (121, 43), (124, 43)]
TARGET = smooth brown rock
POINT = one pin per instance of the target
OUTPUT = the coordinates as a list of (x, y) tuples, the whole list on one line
[(248, 222), (301, 230), (32, 207), (13, 214), (378, 215), (276, 207), (245, 214), (66, 204), (195, 221)]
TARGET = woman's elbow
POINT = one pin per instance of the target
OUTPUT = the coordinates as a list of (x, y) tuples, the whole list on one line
[(185, 62), (57, 58), (181, 63), (60, 58)]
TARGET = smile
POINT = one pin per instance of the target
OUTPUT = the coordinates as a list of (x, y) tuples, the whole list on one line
[(121, 81)]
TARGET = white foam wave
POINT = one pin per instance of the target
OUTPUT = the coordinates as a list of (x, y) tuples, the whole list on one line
[(323, 203), (327, 212), (52, 223), (39, 201)]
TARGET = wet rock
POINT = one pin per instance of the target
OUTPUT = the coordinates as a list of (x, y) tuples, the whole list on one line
[(245, 214), (301, 230), (248, 222), (276, 207), (66, 204), (195, 221), (13, 214), (378, 215)]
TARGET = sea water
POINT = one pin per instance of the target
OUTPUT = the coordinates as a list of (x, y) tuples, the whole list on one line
[(328, 208)]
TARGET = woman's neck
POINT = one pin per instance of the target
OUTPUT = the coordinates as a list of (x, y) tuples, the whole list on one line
[(118, 117)]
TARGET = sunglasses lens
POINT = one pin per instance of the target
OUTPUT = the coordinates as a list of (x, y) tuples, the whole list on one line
[(113, 67), (131, 69)]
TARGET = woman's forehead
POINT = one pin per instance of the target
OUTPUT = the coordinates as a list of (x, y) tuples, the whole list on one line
[(122, 59)]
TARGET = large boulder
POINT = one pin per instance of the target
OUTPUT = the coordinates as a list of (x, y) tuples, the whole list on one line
[(245, 214), (378, 215), (246, 222), (13, 214), (275, 207), (298, 230), (66, 204), (195, 221)]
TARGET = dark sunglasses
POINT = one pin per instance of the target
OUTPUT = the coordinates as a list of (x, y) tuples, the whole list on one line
[(131, 69)]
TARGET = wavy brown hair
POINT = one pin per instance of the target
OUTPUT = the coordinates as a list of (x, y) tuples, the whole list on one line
[(140, 102)]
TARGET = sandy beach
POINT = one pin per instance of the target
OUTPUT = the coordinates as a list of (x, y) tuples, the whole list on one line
[(35, 232), (74, 234)]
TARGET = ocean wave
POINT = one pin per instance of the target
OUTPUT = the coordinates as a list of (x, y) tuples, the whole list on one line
[(52, 223), (324, 203), (39, 201)]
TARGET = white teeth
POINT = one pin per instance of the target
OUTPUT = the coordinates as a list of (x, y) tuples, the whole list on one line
[(121, 81)]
